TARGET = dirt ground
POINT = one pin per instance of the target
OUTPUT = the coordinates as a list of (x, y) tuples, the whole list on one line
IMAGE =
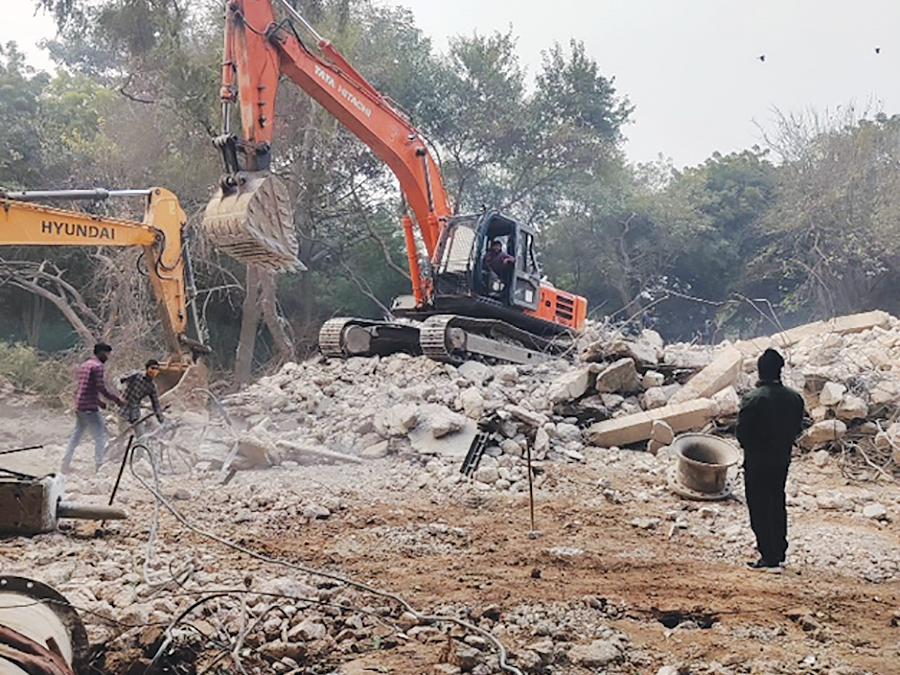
[(680, 594), (658, 580)]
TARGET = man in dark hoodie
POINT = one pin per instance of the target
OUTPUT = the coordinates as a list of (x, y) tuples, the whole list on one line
[(770, 419)]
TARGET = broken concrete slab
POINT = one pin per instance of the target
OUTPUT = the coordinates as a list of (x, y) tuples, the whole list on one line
[(662, 432), (638, 427), (822, 432), (842, 325), (619, 376), (643, 352), (454, 445), (831, 393), (304, 452), (530, 417), (723, 371), (569, 386)]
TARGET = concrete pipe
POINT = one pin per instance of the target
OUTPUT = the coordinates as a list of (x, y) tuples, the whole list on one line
[(702, 468), (40, 632)]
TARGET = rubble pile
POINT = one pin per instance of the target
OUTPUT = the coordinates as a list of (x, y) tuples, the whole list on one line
[(325, 439), (366, 408), (623, 391)]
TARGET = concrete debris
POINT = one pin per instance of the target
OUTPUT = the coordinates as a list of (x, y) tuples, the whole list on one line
[(727, 402), (654, 397), (722, 372), (637, 427), (619, 377), (661, 432), (653, 379), (831, 393), (621, 393), (298, 452), (822, 432), (570, 386), (875, 511), (851, 408)]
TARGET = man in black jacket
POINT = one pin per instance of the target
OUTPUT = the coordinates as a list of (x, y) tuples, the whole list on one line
[(770, 419)]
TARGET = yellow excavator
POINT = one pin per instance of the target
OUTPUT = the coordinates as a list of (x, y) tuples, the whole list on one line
[(162, 234)]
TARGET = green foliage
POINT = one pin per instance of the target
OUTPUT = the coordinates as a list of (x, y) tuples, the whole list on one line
[(21, 158), (29, 371), (830, 243), (571, 91), (815, 233)]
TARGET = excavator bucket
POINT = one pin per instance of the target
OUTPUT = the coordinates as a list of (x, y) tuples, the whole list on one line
[(253, 223)]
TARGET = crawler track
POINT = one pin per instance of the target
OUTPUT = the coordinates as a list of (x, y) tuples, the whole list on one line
[(445, 337)]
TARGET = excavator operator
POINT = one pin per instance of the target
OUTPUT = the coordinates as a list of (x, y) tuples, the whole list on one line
[(497, 260)]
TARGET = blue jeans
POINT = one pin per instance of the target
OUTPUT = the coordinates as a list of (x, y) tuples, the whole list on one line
[(93, 421)]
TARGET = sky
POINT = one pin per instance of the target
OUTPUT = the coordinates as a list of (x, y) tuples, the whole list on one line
[(691, 68)]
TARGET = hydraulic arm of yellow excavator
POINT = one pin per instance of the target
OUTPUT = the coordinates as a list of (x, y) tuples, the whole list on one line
[(161, 234)]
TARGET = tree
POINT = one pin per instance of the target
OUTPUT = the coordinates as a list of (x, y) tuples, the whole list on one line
[(831, 239)]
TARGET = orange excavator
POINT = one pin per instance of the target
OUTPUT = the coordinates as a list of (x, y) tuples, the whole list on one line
[(458, 307), (161, 235)]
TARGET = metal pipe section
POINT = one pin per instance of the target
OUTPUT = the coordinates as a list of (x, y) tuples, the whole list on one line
[(294, 13), (89, 511), (40, 632), (93, 194)]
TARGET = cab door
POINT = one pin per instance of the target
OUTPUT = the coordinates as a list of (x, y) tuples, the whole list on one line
[(526, 283)]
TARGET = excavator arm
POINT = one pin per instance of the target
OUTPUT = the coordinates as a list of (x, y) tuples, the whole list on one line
[(258, 50), (24, 223)]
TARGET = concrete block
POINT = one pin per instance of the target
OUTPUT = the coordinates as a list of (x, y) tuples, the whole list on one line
[(662, 432), (653, 379), (620, 376), (638, 427), (722, 372), (654, 397), (851, 408), (727, 402), (831, 393), (886, 391), (653, 447), (819, 413), (822, 432), (569, 386)]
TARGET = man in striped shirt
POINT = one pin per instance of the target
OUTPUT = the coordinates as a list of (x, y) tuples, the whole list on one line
[(138, 386), (91, 385)]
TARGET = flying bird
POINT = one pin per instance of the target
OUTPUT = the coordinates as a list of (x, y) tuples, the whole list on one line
[(762, 58), (877, 50)]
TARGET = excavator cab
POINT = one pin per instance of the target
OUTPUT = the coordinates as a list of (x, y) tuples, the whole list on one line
[(461, 268)]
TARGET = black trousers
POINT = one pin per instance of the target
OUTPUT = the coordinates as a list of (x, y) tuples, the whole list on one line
[(764, 487)]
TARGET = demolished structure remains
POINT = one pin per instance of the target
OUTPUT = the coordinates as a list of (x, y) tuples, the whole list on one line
[(276, 492)]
